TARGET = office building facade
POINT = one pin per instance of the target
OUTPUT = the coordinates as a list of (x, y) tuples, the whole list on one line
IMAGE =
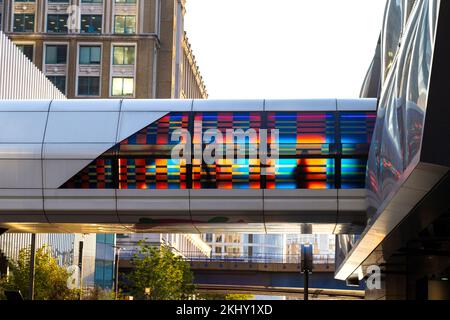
[(278, 248), (323, 247), (105, 252), (107, 48), (20, 79), (75, 251), (189, 246)]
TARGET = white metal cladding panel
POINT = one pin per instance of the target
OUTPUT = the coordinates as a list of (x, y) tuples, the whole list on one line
[(159, 105), (61, 200), (20, 78), (82, 127), (352, 200), (20, 151), (86, 105), (21, 200), (74, 151), (22, 127), (228, 105), (164, 205), (80, 206), (300, 201), (20, 174), (301, 105), (357, 104), (29, 105)]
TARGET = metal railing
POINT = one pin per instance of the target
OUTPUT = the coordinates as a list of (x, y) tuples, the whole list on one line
[(193, 256), (129, 253), (261, 258)]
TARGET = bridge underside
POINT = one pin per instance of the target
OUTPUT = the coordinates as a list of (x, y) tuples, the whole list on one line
[(295, 293), (324, 280), (187, 211)]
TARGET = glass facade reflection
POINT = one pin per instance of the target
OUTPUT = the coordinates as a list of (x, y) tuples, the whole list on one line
[(104, 261), (400, 121), (317, 150), (264, 247)]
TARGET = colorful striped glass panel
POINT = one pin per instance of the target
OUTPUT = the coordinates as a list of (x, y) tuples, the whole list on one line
[(353, 173), (303, 133), (145, 173), (97, 175), (356, 132), (224, 121), (227, 174), (301, 174), (160, 132), (307, 141)]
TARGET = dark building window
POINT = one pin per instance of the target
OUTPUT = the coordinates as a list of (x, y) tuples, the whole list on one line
[(23, 23), (90, 55), (56, 54), (27, 49), (91, 24), (88, 86), (57, 23), (59, 82)]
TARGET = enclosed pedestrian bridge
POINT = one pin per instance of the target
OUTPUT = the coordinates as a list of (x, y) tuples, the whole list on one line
[(109, 165)]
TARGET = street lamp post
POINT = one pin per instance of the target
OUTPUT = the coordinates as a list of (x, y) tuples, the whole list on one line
[(32, 267), (116, 272), (306, 267)]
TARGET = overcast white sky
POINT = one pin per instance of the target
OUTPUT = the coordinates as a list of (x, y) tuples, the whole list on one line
[(283, 48)]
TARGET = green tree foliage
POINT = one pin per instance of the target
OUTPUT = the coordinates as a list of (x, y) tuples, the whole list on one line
[(165, 275), (235, 296), (97, 293), (3, 287), (50, 278), (229, 296)]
